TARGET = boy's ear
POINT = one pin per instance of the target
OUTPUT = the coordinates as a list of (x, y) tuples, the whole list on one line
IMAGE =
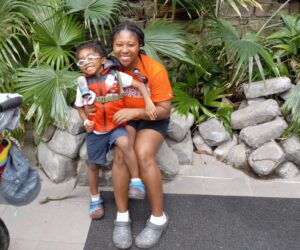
[(103, 60)]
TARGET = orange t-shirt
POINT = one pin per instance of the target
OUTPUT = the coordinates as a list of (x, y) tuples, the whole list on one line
[(158, 83)]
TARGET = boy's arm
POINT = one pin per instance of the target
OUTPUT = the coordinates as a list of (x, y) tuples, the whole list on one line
[(150, 107), (88, 125)]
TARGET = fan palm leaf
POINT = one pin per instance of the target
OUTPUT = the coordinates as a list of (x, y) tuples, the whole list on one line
[(96, 13), (13, 27), (162, 36), (44, 90), (287, 40), (54, 34), (242, 52), (292, 106), (185, 103)]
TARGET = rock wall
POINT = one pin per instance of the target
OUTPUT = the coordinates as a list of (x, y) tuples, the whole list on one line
[(62, 151), (257, 145)]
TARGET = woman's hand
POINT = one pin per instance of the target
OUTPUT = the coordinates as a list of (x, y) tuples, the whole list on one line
[(124, 115), (151, 109)]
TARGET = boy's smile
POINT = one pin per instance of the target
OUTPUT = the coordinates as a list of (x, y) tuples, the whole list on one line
[(93, 64)]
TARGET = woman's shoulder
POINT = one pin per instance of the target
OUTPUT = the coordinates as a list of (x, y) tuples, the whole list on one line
[(152, 63)]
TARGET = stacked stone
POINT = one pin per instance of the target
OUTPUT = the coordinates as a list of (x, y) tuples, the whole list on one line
[(58, 151), (62, 151), (258, 126)]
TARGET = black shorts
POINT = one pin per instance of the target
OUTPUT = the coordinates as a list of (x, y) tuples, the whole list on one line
[(160, 126)]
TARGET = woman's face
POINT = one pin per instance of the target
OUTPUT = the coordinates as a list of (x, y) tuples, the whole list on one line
[(92, 62), (126, 48)]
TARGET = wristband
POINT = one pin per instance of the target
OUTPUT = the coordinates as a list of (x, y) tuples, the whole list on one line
[(86, 121)]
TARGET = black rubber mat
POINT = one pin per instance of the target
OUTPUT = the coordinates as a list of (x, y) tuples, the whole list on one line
[(210, 222)]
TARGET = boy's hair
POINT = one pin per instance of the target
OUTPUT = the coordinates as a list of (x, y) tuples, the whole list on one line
[(132, 27), (95, 45)]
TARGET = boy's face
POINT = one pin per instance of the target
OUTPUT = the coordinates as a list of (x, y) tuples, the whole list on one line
[(92, 62)]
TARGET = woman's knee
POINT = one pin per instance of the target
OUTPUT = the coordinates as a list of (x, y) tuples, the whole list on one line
[(146, 159)]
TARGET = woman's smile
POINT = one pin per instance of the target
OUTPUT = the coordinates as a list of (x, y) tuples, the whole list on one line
[(126, 48)]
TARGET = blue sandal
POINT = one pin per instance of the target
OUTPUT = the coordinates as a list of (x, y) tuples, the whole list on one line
[(136, 190), (96, 211)]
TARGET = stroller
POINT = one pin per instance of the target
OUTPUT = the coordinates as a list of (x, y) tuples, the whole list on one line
[(19, 182)]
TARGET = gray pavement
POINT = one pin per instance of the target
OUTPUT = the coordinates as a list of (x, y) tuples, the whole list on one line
[(63, 225)]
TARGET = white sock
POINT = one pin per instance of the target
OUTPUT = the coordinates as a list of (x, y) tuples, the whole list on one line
[(158, 220), (95, 197), (123, 216), (135, 179)]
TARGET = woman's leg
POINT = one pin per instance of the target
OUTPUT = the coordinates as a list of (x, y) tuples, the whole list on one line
[(146, 150)]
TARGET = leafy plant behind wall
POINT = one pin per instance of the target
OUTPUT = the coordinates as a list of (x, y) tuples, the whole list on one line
[(201, 90), (97, 14), (243, 54), (166, 38), (286, 45)]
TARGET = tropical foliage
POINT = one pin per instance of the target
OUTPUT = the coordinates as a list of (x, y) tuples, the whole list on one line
[(206, 65), (286, 44)]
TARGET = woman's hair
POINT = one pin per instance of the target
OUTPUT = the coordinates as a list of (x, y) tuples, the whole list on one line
[(95, 45), (132, 27)]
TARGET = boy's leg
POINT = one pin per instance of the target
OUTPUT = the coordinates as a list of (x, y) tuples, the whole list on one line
[(96, 150), (129, 156), (136, 187), (93, 178), (96, 210)]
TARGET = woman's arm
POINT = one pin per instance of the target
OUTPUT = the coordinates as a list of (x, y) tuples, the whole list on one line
[(150, 108), (163, 112)]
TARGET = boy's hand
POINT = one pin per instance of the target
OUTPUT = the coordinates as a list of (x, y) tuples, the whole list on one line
[(151, 109), (90, 109), (88, 125)]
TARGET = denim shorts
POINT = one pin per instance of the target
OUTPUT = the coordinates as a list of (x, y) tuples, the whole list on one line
[(160, 126), (98, 145)]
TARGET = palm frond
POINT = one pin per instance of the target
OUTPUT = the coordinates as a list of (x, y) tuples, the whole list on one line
[(162, 36), (184, 103), (287, 38), (13, 27), (292, 106), (54, 34), (97, 13), (241, 51), (44, 91)]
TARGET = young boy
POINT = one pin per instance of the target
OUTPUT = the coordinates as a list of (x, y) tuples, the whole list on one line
[(104, 87)]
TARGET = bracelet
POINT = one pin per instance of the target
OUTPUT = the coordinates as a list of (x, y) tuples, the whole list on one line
[(86, 121)]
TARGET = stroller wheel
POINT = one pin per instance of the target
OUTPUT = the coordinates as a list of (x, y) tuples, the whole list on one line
[(4, 236)]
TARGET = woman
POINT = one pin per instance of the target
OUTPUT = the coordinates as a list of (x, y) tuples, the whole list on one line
[(145, 135)]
